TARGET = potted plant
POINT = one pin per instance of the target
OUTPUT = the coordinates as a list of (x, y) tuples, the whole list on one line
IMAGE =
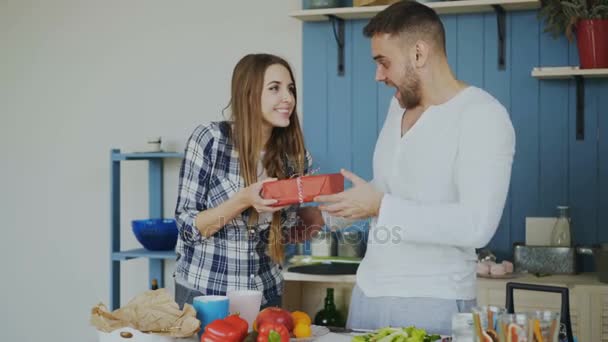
[(588, 19)]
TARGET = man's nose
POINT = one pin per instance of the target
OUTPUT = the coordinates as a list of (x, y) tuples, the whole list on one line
[(380, 75)]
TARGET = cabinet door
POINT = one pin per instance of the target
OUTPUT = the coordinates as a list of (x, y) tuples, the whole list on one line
[(603, 314)]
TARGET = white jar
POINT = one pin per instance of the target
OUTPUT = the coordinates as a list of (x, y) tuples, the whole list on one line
[(322, 244), (462, 327), (560, 235)]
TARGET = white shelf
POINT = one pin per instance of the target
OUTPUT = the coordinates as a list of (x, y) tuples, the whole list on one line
[(567, 72), (143, 253), (441, 7)]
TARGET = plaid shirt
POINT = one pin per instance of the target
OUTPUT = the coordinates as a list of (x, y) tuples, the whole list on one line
[(235, 256)]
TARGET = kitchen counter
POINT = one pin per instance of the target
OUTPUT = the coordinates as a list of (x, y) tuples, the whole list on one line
[(588, 297), (568, 280), (292, 276)]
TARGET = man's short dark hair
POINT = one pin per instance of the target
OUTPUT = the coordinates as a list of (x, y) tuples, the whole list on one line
[(410, 18)]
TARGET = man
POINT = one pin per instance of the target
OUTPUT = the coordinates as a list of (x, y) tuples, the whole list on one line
[(441, 168)]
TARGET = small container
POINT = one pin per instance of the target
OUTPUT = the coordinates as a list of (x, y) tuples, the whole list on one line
[(544, 259), (561, 235), (323, 243), (485, 322), (350, 243), (156, 234), (312, 4), (462, 327)]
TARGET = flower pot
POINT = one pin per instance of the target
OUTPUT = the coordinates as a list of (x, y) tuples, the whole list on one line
[(592, 42)]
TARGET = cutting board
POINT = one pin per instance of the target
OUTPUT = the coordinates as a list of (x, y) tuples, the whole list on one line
[(333, 337)]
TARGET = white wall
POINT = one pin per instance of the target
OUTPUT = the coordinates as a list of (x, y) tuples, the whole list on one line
[(78, 78)]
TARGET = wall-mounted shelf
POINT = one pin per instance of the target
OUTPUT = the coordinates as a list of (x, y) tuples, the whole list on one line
[(146, 155), (500, 7), (441, 7), (568, 72), (156, 259), (143, 253)]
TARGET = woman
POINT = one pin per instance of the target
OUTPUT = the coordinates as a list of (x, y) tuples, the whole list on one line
[(229, 236)]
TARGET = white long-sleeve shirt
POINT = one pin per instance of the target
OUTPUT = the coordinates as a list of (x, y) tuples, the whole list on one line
[(445, 183)]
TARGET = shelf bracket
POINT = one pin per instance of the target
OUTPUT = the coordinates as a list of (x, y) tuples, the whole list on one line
[(339, 36), (580, 107), (502, 32)]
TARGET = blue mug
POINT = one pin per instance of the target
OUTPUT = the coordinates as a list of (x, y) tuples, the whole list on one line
[(210, 308)]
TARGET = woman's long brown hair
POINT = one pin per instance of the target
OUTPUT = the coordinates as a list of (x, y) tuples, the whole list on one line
[(286, 144)]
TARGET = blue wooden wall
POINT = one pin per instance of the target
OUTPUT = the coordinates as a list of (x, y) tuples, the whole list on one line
[(343, 115)]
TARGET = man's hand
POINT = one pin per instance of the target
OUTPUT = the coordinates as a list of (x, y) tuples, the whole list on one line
[(359, 202)]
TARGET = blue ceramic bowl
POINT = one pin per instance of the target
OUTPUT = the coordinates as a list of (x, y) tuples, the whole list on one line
[(156, 234)]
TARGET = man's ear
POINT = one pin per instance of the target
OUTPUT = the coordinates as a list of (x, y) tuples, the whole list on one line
[(421, 53)]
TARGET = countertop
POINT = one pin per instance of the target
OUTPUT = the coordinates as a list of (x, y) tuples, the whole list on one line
[(292, 276), (582, 279)]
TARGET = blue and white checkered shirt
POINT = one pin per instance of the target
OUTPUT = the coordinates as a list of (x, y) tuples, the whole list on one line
[(234, 257)]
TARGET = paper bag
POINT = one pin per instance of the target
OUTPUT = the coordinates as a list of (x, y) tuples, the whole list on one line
[(153, 311)]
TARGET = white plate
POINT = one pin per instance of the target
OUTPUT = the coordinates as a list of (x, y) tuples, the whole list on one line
[(317, 331), (128, 334)]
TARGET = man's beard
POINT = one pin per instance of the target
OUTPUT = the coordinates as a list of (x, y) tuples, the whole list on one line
[(409, 94)]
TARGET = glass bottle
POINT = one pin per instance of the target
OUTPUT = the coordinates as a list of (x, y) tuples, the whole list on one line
[(154, 284), (561, 235), (329, 315)]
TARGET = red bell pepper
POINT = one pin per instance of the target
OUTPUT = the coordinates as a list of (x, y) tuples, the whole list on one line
[(239, 324), (230, 329), (271, 332)]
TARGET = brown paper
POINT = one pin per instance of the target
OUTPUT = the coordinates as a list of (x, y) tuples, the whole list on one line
[(153, 311)]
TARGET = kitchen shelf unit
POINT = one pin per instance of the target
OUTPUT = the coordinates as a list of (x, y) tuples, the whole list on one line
[(569, 72), (155, 210), (441, 7), (338, 15)]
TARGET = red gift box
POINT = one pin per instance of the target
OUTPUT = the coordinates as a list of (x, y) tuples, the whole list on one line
[(302, 189)]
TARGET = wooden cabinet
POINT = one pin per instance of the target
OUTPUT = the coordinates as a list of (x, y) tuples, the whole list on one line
[(588, 298)]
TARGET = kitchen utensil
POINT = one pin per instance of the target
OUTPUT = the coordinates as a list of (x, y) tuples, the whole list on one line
[(544, 259), (343, 330), (600, 254), (565, 323)]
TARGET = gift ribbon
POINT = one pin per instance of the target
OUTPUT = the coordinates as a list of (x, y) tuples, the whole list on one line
[(300, 190), (301, 187)]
